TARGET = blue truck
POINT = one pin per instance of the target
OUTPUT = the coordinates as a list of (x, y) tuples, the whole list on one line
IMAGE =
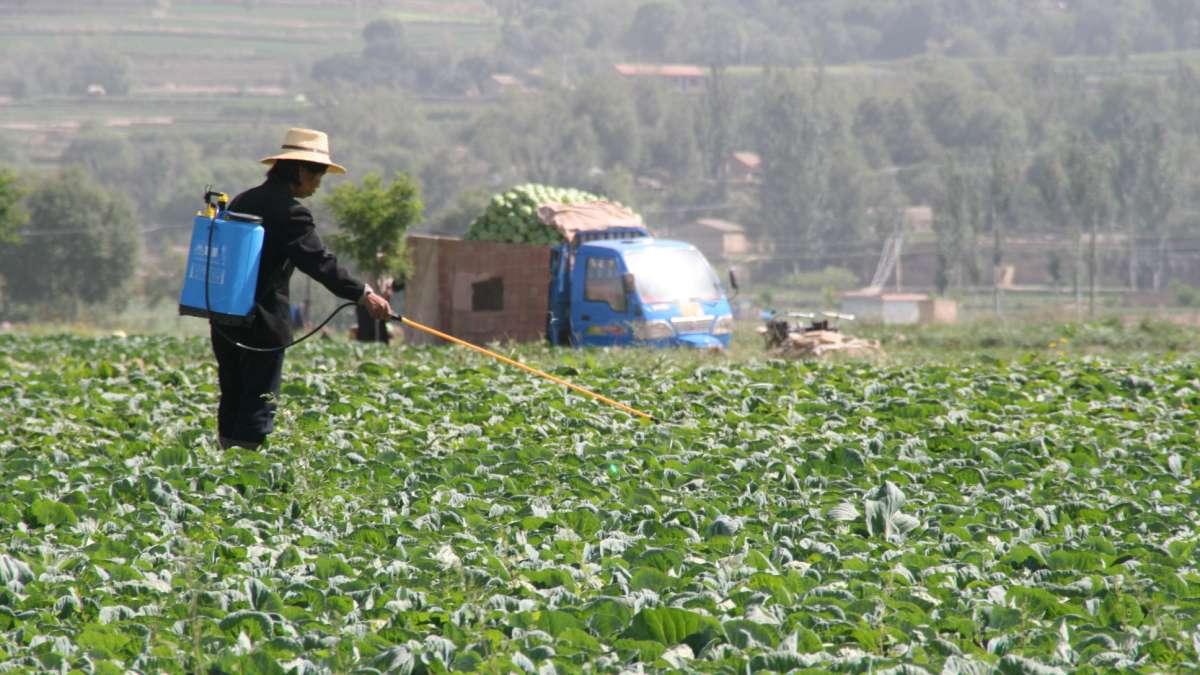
[(620, 285), (608, 282)]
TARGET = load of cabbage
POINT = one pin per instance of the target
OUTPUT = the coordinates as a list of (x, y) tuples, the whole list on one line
[(512, 216)]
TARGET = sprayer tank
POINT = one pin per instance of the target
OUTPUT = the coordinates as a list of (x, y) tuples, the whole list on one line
[(222, 267)]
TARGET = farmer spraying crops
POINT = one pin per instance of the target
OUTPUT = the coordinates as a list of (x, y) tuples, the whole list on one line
[(240, 262), (249, 378)]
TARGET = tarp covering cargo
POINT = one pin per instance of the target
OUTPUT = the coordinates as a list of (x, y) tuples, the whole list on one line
[(572, 219)]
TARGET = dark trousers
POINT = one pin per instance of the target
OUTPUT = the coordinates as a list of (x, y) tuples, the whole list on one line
[(245, 414)]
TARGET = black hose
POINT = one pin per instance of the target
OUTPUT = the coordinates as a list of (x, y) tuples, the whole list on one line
[(293, 343)]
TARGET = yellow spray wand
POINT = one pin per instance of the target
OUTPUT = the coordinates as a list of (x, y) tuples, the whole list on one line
[(450, 338)]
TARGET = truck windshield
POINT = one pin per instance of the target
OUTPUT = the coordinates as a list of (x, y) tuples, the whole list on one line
[(669, 275)]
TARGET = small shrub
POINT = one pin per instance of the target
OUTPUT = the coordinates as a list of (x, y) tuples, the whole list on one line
[(1186, 295), (836, 278)]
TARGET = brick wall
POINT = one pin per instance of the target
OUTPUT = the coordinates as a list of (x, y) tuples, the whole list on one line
[(440, 291)]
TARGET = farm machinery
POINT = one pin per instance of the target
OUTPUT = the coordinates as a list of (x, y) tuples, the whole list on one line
[(811, 335)]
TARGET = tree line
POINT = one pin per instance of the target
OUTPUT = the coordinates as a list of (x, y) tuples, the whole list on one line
[(88, 251), (1092, 151), (791, 32)]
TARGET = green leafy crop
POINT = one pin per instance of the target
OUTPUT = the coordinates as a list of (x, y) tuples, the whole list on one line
[(424, 510)]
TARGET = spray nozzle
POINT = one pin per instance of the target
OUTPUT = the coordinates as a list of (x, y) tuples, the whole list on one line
[(209, 193), (212, 208)]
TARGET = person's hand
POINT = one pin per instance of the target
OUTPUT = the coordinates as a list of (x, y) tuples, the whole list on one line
[(377, 306)]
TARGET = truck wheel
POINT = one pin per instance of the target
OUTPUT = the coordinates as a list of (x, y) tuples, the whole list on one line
[(560, 337), (549, 332)]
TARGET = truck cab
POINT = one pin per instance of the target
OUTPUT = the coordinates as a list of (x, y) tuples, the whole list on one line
[(627, 288)]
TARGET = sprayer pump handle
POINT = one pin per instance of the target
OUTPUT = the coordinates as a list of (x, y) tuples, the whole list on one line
[(222, 198)]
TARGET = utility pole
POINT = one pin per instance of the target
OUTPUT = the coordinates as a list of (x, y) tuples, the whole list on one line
[(899, 259)]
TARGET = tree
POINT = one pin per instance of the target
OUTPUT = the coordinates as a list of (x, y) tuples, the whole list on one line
[(608, 106), (672, 148), (907, 33), (999, 215), (510, 11), (372, 219), (1089, 169), (945, 99), (454, 218), (109, 157), (1049, 179), (959, 212), (811, 198), (716, 133), (896, 125), (790, 132), (653, 25), (12, 215), (1182, 16), (101, 67), (566, 152), (1158, 192), (385, 40), (722, 40), (1126, 119), (83, 247)]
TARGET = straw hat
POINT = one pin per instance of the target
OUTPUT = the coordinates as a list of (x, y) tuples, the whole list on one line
[(306, 145)]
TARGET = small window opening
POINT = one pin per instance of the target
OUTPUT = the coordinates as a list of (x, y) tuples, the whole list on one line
[(487, 295)]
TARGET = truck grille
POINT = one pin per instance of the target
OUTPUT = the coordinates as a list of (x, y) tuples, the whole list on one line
[(700, 324)]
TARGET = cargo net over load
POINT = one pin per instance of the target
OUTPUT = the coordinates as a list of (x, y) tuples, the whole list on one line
[(548, 215)]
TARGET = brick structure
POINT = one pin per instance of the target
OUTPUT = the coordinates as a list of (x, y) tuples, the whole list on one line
[(479, 291)]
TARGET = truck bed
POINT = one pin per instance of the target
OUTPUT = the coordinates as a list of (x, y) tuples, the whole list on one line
[(479, 291)]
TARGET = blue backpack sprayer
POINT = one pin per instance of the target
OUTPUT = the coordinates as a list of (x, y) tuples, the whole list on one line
[(222, 264), (222, 277), (222, 269)]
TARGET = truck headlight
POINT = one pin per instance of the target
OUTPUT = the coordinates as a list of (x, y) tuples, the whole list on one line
[(723, 325), (652, 330)]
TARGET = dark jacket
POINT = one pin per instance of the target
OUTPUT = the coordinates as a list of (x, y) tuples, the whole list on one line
[(290, 241)]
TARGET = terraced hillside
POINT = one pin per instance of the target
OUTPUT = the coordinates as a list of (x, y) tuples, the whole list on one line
[(193, 63)]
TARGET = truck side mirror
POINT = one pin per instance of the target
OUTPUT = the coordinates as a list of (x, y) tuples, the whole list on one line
[(733, 282), (628, 283)]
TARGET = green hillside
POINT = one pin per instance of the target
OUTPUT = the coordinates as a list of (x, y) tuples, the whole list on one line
[(192, 64)]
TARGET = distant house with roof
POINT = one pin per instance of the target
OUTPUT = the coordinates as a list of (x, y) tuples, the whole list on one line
[(498, 83), (898, 309), (686, 76), (918, 219), (718, 240), (743, 166)]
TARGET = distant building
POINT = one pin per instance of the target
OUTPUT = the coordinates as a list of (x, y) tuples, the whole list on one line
[(718, 240), (899, 309), (505, 82), (918, 219), (687, 77), (650, 183), (744, 167)]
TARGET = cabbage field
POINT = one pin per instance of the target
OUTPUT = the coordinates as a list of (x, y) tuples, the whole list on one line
[(427, 510)]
